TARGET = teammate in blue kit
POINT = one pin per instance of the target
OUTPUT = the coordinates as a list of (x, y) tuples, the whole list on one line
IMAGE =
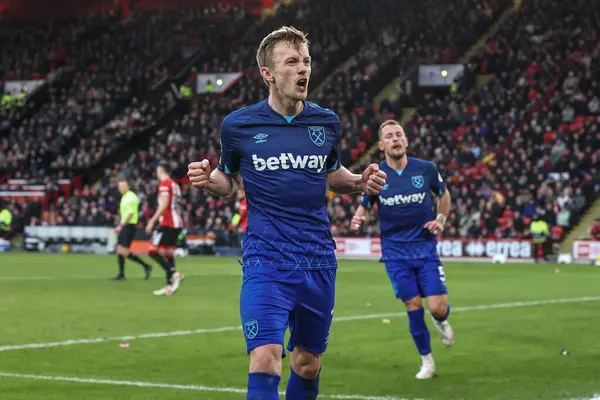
[(408, 237), (286, 151)]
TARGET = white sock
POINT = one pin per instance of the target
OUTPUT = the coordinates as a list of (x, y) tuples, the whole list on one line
[(428, 359)]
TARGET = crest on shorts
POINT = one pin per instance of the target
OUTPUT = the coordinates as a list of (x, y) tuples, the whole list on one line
[(317, 135), (417, 181), (251, 329)]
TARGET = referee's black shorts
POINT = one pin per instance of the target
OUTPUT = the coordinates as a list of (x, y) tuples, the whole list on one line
[(126, 235)]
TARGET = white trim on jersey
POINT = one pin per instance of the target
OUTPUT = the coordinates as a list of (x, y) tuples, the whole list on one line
[(177, 220)]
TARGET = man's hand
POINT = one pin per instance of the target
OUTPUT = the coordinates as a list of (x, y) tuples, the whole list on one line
[(435, 227), (373, 179), (357, 222), (199, 173), (118, 228), (149, 227)]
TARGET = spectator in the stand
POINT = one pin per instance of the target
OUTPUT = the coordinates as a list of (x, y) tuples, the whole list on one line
[(505, 149)]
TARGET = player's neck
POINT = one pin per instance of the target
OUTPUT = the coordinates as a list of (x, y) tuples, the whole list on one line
[(398, 164), (285, 106)]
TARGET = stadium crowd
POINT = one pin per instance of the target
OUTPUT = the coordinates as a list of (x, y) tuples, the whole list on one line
[(112, 66), (493, 197), (196, 135), (477, 139)]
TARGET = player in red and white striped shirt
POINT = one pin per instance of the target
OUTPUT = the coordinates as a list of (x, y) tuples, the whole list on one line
[(165, 238)]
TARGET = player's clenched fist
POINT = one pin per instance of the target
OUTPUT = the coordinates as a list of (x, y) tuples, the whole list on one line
[(374, 179), (199, 174), (357, 222)]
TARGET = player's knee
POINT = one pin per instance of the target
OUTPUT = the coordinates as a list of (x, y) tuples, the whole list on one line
[(413, 304), (438, 306), (266, 359), (122, 251), (305, 363)]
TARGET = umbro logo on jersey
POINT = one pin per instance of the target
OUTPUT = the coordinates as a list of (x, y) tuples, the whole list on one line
[(289, 160), (261, 138), (399, 199)]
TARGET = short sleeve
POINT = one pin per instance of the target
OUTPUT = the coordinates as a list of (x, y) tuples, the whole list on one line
[(164, 190), (131, 204), (367, 201), (229, 162), (436, 182), (333, 160)]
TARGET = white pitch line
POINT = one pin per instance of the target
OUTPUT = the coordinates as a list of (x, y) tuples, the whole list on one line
[(26, 278), (594, 397), (198, 388), (70, 342)]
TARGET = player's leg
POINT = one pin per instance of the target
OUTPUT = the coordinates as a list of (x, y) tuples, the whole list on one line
[(310, 324), (158, 246), (406, 288), (129, 232), (537, 249), (305, 371), (265, 305), (123, 241), (170, 245), (147, 267), (121, 263), (432, 283)]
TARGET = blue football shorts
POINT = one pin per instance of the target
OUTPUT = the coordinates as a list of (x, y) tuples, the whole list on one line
[(272, 300), (417, 278)]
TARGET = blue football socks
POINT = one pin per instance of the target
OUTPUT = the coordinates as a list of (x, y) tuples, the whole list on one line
[(419, 331), (299, 388), (263, 386)]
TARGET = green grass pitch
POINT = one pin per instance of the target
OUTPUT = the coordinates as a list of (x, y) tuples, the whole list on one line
[(511, 321)]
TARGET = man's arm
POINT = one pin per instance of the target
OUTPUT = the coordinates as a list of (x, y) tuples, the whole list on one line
[(443, 207), (126, 221), (342, 181), (163, 203), (225, 179), (222, 185), (361, 215)]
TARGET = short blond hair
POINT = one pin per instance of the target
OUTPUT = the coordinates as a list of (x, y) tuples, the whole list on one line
[(386, 123), (286, 34)]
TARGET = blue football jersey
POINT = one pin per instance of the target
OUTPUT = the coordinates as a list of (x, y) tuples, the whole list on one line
[(405, 205), (284, 163)]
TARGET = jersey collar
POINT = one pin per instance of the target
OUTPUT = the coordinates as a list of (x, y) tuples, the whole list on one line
[(275, 114), (397, 171)]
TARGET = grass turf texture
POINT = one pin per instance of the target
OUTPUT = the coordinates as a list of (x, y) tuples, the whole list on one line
[(504, 353)]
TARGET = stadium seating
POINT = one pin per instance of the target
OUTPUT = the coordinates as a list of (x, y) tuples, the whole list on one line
[(476, 137), (195, 136), (468, 137), (114, 70)]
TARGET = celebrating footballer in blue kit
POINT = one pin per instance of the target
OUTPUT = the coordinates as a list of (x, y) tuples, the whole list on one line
[(285, 149), (408, 237)]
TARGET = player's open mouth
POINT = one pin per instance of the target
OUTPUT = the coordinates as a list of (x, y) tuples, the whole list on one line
[(302, 83)]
